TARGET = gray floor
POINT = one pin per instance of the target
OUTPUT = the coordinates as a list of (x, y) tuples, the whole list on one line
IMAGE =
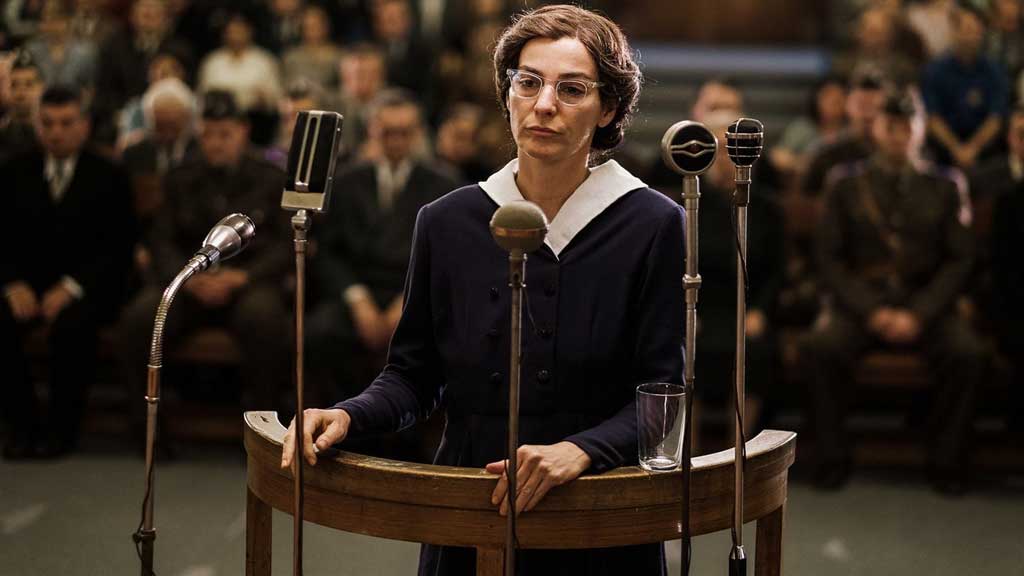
[(75, 517)]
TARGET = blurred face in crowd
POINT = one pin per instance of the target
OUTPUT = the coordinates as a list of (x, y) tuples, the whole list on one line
[(968, 34), (715, 96), (362, 74), (1006, 14), (285, 7), (831, 102), (314, 26), (487, 8), (543, 127), (398, 130), (54, 23), (457, 138), (1015, 134), (723, 171), (26, 87), (237, 34), (392, 20), (149, 17), (170, 119), (875, 30), (163, 67), (62, 128), (223, 141), (893, 136), (862, 107), (289, 111)]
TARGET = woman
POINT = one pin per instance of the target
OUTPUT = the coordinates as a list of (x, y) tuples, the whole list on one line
[(824, 122), (605, 294)]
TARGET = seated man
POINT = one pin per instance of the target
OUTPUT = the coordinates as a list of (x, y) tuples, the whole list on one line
[(243, 294), (17, 124), (365, 245), (67, 232), (895, 252)]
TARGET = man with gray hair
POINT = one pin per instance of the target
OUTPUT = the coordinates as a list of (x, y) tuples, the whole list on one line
[(169, 109)]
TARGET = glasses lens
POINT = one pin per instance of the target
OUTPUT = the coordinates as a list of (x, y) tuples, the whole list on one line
[(571, 92), (526, 85)]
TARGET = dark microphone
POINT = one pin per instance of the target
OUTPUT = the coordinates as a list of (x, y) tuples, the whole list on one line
[(519, 226), (744, 140), (311, 159), (227, 238)]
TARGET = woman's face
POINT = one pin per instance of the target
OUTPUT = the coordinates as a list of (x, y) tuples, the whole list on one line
[(543, 127), (831, 103)]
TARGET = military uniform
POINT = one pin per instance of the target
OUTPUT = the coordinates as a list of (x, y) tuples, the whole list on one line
[(197, 196), (895, 239)]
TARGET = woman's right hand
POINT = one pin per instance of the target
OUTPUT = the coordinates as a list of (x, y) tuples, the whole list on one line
[(328, 427)]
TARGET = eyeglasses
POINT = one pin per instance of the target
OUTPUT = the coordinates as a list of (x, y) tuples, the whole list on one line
[(569, 92)]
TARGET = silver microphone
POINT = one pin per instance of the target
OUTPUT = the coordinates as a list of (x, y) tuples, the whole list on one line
[(744, 140), (226, 239)]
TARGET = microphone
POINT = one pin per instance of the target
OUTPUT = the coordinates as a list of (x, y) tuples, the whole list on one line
[(744, 140), (689, 148), (311, 159), (226, 239), (519, 226)]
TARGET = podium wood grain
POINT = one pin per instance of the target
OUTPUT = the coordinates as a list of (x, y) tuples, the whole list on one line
[(451, 506)]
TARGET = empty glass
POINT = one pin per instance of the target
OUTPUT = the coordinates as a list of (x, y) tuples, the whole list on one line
[(660, 420)]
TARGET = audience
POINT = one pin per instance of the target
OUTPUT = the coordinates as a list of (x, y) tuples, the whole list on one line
[(966, 95), (61, 58), (895, 254), (243, 295), (363, 76), (247, 71), (17, 125), (458, 144), (365, 245), (316, 57), (822, 126), (74, 208)]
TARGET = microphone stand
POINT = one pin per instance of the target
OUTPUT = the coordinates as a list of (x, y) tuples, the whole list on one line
[(516, 281), (741, 199), (691, 284), (146, 534), (301, 223)]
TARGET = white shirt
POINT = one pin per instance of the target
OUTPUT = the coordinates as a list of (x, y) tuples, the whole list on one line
[(605, 184), (390, 182), (252, 77), (58, 174)]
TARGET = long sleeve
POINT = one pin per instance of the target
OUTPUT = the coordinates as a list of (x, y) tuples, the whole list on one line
[(947, 283), (409, 388), (850, 289), (659, 340), (168, 258)]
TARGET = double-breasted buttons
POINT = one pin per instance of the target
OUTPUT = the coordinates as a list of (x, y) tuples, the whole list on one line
[(496, 378), (494, 293), (543, 377)]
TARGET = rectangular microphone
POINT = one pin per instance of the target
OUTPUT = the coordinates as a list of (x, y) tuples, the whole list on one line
[(311, 158)]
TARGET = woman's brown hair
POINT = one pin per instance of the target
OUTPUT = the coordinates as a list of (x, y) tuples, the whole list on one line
[(607, 45)]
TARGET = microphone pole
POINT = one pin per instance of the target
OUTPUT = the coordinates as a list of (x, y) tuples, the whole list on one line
[(744, 140), (229, 237), (310, 170), (689, 148), (518, 227)]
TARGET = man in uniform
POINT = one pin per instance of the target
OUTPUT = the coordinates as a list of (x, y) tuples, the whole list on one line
[(244, 294), (895, 252)]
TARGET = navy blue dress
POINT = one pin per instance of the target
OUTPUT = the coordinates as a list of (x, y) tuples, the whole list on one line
[(608, 313)]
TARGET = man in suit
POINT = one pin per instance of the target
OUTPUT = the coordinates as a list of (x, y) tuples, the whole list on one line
[(17, 124), (895, 251), (67, 231), (365, 244), (245, 294)]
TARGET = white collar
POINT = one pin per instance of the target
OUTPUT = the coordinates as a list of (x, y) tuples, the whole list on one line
[(69, 163), (1016, 168), (606, 184)]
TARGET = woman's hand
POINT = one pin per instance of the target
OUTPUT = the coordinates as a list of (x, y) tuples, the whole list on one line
[(328, 427), (538, 470)]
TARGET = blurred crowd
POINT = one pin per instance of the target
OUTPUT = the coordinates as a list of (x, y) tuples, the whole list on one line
[(129, 127)]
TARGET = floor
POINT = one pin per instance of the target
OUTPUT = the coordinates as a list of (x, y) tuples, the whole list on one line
[(75, 517)]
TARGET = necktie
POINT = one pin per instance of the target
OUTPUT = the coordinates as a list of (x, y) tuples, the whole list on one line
[(59, 181)]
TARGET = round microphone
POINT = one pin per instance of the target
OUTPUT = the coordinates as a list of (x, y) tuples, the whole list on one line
[(227, 238), (689, 148), (744, 140), (519, 226)]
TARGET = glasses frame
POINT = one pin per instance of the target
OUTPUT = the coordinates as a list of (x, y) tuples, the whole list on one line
[(588, 84)]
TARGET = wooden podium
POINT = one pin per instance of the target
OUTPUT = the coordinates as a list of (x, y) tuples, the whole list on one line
[(451, 506)]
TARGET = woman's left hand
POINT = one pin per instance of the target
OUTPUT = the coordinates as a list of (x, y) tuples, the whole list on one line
[(538, 470)]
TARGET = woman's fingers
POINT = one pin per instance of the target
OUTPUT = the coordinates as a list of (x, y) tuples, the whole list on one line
[(542, 490), (288, 446), (499, 490)]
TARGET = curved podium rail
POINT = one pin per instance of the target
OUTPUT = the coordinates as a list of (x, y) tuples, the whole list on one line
[(451, 506)]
